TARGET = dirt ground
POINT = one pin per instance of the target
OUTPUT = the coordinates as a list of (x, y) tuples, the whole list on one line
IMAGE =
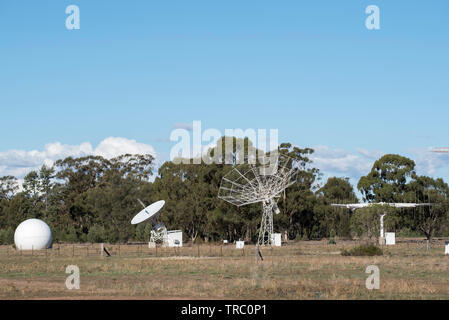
[(302, 270)]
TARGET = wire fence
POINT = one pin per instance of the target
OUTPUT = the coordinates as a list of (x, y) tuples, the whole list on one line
[(142, 250)]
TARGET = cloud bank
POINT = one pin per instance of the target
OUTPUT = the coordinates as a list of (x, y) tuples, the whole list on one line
[(358, 163), (342, 163), (19, 162)]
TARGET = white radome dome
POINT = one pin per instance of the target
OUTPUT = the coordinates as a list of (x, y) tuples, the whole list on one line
[(33, 234)]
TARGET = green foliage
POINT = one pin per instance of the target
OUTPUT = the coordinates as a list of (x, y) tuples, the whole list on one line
[(93, 199), (8, 187), (335, 221), (7, 236), (365, 222), (96, 234), (363, 250), (70, 236), (386, 182), (408, 233)]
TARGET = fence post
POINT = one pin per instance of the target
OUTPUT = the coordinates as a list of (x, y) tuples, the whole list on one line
[(102, 249), (221, 251), (32, 247), (119, 250), (198, 250), (73, 250)]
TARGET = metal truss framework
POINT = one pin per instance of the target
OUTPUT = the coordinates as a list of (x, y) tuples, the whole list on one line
[(260, 182), (159, 235)]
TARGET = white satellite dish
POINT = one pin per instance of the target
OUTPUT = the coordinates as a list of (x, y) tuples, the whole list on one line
[(148, 212)]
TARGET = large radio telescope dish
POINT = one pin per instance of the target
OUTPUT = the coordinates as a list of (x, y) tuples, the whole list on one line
[(159, 231), (260, 182)]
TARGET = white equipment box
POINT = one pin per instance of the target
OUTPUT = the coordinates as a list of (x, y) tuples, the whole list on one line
[(390, 238), (174, 238), (276, 239), (239, 244)]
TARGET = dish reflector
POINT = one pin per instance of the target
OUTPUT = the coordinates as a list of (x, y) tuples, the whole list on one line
[(148, 212)]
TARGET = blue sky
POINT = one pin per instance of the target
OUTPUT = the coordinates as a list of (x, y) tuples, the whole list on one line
[(310, 69)]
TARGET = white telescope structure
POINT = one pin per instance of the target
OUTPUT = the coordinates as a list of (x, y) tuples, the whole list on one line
[(260, 182), (355, 206)]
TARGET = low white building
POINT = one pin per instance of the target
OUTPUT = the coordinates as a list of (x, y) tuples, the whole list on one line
[(174, 238), (390, 238), (239, 244), (276, 239)]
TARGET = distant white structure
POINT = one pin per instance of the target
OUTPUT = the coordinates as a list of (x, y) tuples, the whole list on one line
[(446, 247), (263, 182), (239, 244), (441, 150), (33, 234), (225, 241), (171, 238), (390, 238), (382, 225), (174, 238), (403, 205), (276, 239)]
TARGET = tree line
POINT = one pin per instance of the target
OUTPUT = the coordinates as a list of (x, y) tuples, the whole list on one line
[(93, 199)]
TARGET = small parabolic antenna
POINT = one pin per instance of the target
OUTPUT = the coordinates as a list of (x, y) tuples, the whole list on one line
[(263, 181), (148, 212), (159, 231)]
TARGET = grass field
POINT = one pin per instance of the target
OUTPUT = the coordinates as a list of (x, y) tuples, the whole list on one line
[(301, 270)]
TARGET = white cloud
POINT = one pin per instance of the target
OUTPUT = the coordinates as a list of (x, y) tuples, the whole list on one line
[(430, 163), (371, 154), (340, 162), (20, 162), (115, 146)]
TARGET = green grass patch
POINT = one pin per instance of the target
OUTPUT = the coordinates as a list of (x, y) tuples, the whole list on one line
[(363, 250)]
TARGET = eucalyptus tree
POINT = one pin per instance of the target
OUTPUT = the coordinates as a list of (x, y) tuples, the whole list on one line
[(335, 221), (298, 200), (428, 219), (8, 187), (387, 180)]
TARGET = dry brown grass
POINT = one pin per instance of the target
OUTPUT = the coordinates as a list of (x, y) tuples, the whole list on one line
[(305, 270)]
